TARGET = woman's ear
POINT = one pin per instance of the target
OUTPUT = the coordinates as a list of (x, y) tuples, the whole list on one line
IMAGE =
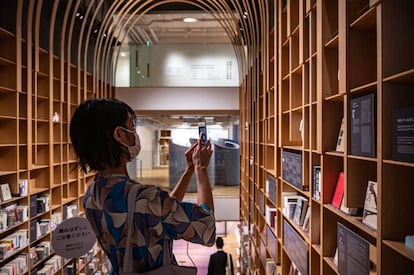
[(118, 134)]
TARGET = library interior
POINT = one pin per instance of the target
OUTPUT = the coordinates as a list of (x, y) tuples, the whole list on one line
[(309, 105)]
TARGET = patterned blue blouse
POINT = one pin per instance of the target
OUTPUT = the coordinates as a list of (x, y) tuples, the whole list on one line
[(157, 217)]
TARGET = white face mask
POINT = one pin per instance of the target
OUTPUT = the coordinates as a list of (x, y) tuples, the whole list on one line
[(132, 149)]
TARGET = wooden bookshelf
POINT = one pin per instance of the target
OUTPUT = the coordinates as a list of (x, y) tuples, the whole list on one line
[(320, 56), (39, 92)]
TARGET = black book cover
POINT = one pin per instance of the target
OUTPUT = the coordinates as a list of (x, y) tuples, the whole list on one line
[(33, 231), (403, 134), (353, 252), (272, 191), (292, 168), (363, 126), (296, 248), (33, 206)]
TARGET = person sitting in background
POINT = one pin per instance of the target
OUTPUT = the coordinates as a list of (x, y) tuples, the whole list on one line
[(219, 260), (104, 138)]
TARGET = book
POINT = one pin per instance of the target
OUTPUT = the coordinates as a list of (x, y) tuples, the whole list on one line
[(5, 192), (305, 225), (23, 187), (340, 141), (289, 201), (271, 189), (339, 191), (363, 126), (353, 252), (352, 211), (369, 216), (292, 168), (403, 134), (296, 248), (300, 210), (317, 182)]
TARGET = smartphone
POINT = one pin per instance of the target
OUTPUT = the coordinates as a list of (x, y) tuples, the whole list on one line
[(203, 129)]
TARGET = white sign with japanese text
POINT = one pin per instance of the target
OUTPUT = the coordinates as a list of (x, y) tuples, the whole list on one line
[(73, 237)]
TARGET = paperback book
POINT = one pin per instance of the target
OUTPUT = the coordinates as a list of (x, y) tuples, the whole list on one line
[(369, 216), (363, 126), (339, 191), (5, 192)]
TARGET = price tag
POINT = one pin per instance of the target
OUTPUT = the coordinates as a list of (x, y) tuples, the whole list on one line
[(73, 237)]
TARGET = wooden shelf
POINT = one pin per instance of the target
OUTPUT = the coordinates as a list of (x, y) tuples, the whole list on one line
[(328, 53)]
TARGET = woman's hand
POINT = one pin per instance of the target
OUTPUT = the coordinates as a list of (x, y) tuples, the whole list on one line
[(201, 153), (189, 157)]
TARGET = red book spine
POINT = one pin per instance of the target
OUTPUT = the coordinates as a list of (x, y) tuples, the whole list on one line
[(339, 191)]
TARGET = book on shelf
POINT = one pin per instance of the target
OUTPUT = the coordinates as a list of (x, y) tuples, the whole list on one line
[(271, 189), (33, 206), (363, 126), (352, 211), (300, 210), (292, 168), (5, 193), (403, 134), (271, 216), (296, 247), (317, 182), (340, 141), (369, 216), (289, 201), (335, 258), (305, 225), (339, 191), (23, 187), (353, 252)]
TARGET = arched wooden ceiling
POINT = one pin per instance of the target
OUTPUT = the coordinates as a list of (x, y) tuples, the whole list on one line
[(245, 33), (87, 31)]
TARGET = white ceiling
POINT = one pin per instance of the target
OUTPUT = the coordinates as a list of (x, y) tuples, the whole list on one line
[(169, 27)]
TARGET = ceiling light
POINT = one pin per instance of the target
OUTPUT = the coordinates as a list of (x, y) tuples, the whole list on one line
[(123, 54), (190, 20)]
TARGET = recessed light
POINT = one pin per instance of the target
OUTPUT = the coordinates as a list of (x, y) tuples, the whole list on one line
[(190, 20), (123, 54)]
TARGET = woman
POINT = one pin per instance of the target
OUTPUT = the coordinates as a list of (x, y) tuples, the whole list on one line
[(104, 138)]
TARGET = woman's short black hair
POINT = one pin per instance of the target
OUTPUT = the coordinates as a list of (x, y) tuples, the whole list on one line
[(91, 132)]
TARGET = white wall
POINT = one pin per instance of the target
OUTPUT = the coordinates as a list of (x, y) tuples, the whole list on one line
[(184, 65), (180, 98)]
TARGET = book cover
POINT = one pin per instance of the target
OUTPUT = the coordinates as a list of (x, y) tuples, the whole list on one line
[(369, 216), (353, 252), (363, 126), (296, 248), (23, 187), (292, 168), (339, 191), (33, 206), (298, 210), (317, 186), (305, 226), (271, 187), (340, 141), (403, 134), (352, 211), (5, 192)]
